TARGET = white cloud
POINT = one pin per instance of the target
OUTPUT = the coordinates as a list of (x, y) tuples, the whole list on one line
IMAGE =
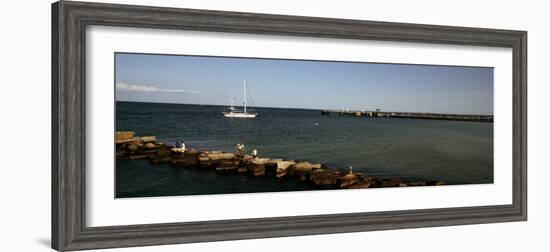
[(150, 89)]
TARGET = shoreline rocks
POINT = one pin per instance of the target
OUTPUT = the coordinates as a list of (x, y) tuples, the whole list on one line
[(146, 148)]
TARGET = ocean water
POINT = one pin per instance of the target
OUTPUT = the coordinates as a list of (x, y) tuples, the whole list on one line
[(453, 151)]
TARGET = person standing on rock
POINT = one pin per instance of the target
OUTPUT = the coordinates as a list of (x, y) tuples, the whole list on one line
[(182, 147), (240, 149), (254, 153)]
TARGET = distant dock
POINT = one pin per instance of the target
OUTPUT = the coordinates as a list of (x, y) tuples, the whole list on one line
[(412, 115)]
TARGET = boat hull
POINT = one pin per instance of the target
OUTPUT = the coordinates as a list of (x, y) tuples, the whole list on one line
[(239, 115)]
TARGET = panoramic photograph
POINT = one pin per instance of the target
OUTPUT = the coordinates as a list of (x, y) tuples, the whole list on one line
[(198, 125)]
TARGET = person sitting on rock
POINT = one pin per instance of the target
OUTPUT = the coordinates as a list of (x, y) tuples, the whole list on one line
[(350, 170), (179, 147), (254, 153)]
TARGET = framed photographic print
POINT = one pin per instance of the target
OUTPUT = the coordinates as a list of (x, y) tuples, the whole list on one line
[(178, 125)]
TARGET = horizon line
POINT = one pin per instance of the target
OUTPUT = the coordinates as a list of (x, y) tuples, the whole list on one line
[(320, 109)]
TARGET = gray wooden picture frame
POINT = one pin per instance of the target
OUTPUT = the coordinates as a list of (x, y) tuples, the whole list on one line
[(69, 21)]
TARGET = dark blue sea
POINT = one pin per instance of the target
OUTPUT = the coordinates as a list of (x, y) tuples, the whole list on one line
[(453, 151)]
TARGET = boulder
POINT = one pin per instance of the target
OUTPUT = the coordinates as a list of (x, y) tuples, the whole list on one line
[(301, 175), (325, 178), (213, 159), (132, 147), (164, 150), (221, 156), (244, 159), (256, 170), (150, 146), (305, 166), (271, 169), (259, 161), (347, 180), (148, 139), (128, 141), (282, 167), (302, 170), (124, 135), (227, 167)]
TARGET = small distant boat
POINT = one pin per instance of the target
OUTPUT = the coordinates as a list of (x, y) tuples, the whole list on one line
[(234, 113)]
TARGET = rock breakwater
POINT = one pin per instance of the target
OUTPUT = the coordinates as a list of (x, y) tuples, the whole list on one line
[(320, 176)]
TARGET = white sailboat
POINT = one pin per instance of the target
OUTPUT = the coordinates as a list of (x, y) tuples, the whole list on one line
[(237, 113)]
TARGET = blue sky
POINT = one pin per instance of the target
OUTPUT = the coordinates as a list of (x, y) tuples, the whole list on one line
[(304, 84)]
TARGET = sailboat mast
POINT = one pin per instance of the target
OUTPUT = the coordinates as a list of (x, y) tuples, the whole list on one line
[(244, 83), (231, 101)]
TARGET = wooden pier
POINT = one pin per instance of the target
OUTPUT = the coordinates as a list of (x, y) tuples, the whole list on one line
[(412, 115)]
